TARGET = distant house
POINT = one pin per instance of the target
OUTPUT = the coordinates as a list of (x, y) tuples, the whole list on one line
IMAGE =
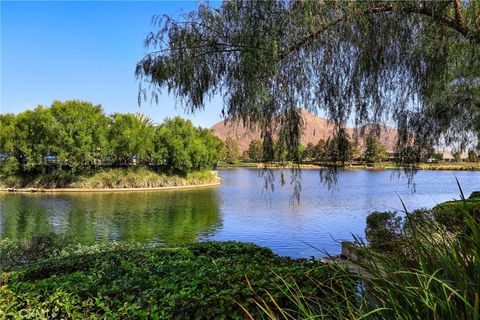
[(448, 156), (392, 155)]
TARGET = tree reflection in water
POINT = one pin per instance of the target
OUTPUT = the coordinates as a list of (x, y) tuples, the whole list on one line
[(166, 217)]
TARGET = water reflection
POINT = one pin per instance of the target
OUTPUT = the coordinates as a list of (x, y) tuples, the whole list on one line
[(159, 217), (250, 205)]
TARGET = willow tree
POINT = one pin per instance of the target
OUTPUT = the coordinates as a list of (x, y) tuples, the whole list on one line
[(412, 63)]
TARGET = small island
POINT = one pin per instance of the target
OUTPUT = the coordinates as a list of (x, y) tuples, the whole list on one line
[(74, 146)]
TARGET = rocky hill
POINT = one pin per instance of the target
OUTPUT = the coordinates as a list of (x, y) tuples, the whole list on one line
[(315, 128)]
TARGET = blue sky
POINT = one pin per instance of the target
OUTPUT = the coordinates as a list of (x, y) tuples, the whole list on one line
[(83, 50)]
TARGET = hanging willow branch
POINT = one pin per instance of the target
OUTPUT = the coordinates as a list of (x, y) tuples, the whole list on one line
[(412, 63)]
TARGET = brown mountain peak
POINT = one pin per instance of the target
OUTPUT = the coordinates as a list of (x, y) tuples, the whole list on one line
[(314, 129)]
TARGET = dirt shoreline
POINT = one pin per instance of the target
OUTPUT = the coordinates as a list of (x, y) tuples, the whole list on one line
[(68, 190)]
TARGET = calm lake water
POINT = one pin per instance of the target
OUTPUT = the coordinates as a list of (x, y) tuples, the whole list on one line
[(242, 208)]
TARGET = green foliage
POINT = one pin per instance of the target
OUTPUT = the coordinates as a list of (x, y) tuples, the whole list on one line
[(81, 137), (387, 232), (296, 155), (7, 129), (231, 151), (472, 156), (309, 152), (456, 156), (35, 137), (141, 177), (279, 151), (185, 148), (452, 215), (338, 149), (435, 275), (412, 63), (130, 139), (474, 196), (134, 177), (255, 150), (9, 167), (319, 150), (201, 281), (437, 156), (432, 275), (77, 137), (384, 231), (375, 151), (53, 179), (16, 254), (210, 149)]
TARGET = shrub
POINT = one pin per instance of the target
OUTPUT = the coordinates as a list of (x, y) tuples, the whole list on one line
[(384, 231), (451, 214), (434, 276), (208, 280), (9, 167), (137, 177), (16, 254), (474, 195), (437, 276)]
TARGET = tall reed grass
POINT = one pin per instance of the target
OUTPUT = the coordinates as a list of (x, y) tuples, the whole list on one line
[(434, 275)]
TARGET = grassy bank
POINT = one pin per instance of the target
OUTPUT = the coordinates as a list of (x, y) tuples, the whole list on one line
[(461, 166), (201, 281), (138, 177), (450, 166), (237, 164), (270, 165)]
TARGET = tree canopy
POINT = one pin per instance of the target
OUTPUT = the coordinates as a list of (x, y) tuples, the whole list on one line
[(230, 151), (413, 63), (130, 139), (76, 136), (81, 132), (255, 150), (375, 151), (186, 148)]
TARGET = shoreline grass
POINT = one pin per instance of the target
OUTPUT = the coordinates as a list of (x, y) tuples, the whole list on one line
[(428, 272), (457, 166), (112, 178)]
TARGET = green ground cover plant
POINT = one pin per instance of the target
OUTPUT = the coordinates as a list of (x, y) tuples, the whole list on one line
[(207, 280)]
